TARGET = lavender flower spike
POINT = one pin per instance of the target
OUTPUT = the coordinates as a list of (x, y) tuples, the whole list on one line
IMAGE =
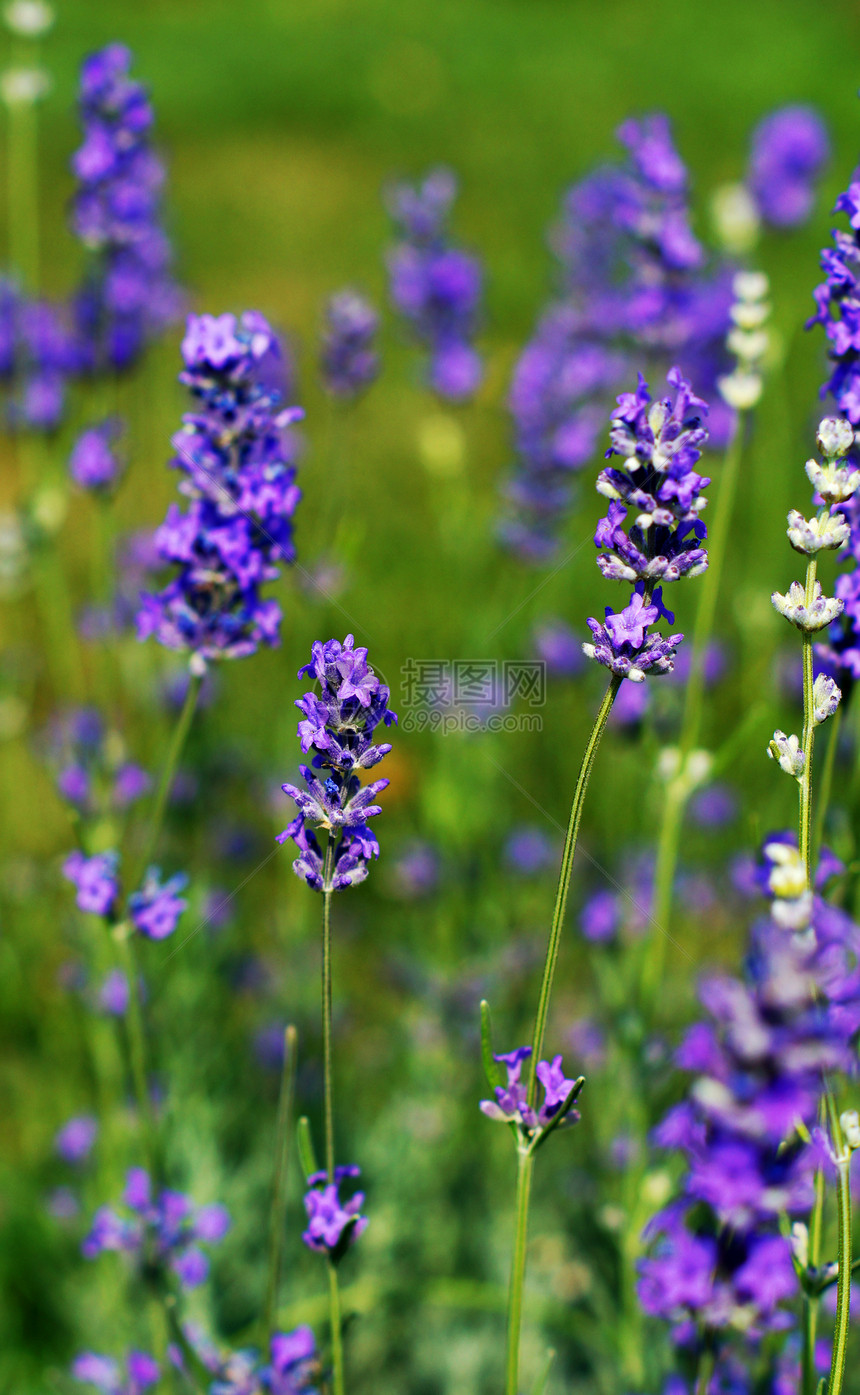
[(338, 726), (333, 1225), (235, 456), (511, 1105), (349, 360)]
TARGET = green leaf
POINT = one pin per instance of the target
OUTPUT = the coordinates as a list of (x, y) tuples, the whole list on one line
[(492, 1070), (557, 1118), (539, 1386), (307, 1156)]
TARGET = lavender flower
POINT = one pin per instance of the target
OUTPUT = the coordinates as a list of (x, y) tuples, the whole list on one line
[(156, 908), (91, 771), (720, 1263), (511, 1104), (93, 463), (559, 648), (349, 362), (96, 881), (660, 444), (142, 1372), (436, 287), (333, 1225), (238, 474), (789, 150), (338, 726), (294, 1368), (623, 646), (128, 295), (113, 995), (153, 909), (74, 1141), (165, 1230), (38, 354)]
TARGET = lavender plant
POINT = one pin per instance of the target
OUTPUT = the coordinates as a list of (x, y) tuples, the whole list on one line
[(128, 295), (338, 725), (434, 285), (659, 444)]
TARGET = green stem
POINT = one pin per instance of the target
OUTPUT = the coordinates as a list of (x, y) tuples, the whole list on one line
[(525, 1169), (810, 1300), (336, 1338), (678, 791), (805, 812), (279, 1193), (707, 1361), (526, 1160), (328, 1087), (564, 877), (23, 194), (138, 1054), (168, 774), (843, 1252)]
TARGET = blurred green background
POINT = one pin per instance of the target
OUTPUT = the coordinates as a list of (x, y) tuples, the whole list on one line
[(281, 124)]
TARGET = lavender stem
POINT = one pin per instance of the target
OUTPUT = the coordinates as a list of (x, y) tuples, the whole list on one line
[(168, 772), (279, 1191), (525, 1164), (843, 1287), (677, 791), (564, 877)]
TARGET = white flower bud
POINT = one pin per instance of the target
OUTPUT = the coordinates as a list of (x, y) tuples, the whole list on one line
[(748, 344), (835, 436), (750, 285), (834, 483), (826, 697), (850, 1123), (740, 390), (787, 878), (800, 1244), (810, 535), (749, 316), (28, 18), (787, 751), (818, 616), (21, 87), (735, 218)]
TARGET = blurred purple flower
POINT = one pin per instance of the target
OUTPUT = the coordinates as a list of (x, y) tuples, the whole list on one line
[(789, 150), (94, 463), (74, 1141)]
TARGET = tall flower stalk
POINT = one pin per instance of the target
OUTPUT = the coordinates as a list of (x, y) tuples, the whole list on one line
[(741, 390), (835, 482), (658, 444), (339, 723)]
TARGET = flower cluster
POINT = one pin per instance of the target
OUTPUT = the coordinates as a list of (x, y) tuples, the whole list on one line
[(39, 352), (153, 910), (141, 1373), (294, 1368), (558, 397), (788, 152), (349, 361), (236, 461), (720, 1263), (89, 763), (436, 287), (637, 286), (660, 443), (94, 463), (163, 1231), (511, 1103), (333, 1225), (338, 726), (128, 295)]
